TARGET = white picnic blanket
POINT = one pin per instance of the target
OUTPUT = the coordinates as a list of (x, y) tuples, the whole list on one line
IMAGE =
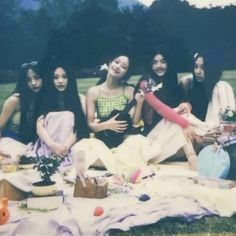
[(172, 194)]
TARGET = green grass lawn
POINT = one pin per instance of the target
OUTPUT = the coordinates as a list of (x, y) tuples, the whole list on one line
[(171, 226), (85, 83)]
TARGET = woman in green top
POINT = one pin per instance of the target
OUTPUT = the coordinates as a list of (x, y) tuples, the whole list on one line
[(111, 93)]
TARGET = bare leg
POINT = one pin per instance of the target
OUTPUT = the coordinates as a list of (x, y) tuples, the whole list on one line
[(190, 155), (80, 166), (95, 153)]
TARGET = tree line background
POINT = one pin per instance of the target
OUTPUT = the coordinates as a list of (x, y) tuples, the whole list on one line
[(85, 33)]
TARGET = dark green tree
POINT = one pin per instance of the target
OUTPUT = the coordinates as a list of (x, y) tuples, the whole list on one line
[(59, 10)]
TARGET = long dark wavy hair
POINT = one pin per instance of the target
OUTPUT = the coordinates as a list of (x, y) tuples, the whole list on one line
[(52, 99), (171, 93), (29, 104), (124, 79), (201, 93)]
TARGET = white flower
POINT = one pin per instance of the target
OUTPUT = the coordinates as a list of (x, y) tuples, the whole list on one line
[(157, 87), (104, 67), (230, 113)]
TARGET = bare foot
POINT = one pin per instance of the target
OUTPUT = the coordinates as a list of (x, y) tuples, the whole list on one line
[(80, 166)]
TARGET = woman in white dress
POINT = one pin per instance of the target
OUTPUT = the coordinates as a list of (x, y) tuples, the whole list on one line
[(208, 94)]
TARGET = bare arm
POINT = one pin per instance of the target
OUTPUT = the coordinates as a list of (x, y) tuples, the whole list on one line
[(83, 102), (186, 84), (138, 108), (129, 92), (11, 105), (72, 138), (57, 148), (164, 110)]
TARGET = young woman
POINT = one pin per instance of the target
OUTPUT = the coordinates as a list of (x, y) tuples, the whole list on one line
[(162, 78), (161, 73), (19, 112), (62, 121), (207, 94), (112, 93)]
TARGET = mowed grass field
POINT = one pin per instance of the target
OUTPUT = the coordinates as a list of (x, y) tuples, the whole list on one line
[(85, 83), (171, 226)]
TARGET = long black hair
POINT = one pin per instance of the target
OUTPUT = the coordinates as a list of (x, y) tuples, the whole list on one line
[(29, 101), (171, 93), (169, 80), (201, 93), (67, 100)]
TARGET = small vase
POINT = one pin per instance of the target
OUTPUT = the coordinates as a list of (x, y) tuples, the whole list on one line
[(44, 189)]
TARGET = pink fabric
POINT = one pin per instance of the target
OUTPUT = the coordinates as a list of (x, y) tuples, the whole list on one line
[(58, 125), (164, 110)]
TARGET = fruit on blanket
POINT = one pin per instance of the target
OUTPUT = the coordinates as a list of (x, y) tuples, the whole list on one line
[(4, 213), (144, 197), (98, 211)]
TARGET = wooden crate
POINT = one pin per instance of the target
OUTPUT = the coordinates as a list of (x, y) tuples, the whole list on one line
[(91, 190)]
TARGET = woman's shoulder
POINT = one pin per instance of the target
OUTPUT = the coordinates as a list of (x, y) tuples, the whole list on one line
[(129, 88), (93, 89), (129, 91), (82, 96), (186, 79), (93, 92), (186, 83), (13, 100), (222, 84)]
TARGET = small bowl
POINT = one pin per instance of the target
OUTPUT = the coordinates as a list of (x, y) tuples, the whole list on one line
[(8, 167), (25, 166)]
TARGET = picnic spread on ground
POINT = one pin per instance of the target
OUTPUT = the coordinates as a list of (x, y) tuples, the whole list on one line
[(171, 190)]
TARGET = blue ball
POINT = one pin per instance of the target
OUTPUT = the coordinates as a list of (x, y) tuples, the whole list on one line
[(213, 164), (144, 197)]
